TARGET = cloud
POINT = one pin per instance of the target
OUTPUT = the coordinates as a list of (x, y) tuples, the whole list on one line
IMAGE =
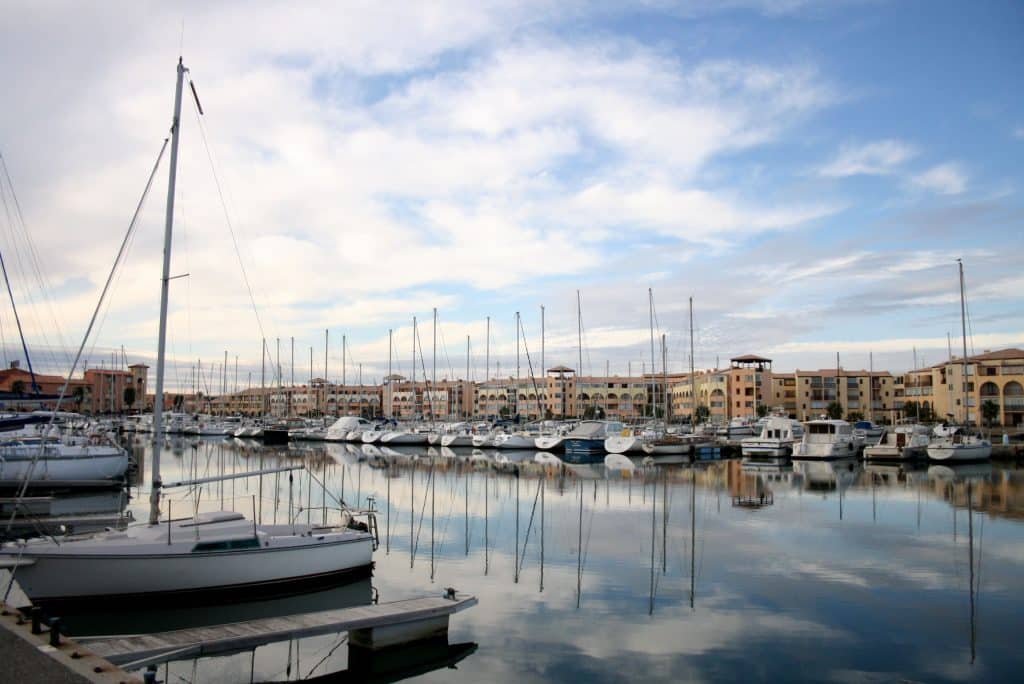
[(982, 341), (944, 179), (880, 158), (691, 214)]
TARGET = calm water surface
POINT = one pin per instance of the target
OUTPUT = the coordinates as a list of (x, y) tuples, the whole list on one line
[(799, 571)]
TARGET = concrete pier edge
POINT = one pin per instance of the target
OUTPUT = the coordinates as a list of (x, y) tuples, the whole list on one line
[(28, 657)]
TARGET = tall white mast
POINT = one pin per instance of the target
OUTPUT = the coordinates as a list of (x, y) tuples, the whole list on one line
[(517, 364), (579, 339), (165, 280), (693, 385), (391, 391), (664, 376), (963, 332), (414, 368), (650, 310), (433, 372)]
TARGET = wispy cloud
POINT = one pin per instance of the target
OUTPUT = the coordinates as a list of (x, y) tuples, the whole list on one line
[(944, 179), (879, 158), (986, 341)]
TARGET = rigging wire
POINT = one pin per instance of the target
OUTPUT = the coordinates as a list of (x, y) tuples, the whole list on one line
[(227, 218), (118, 261), (33, 259)]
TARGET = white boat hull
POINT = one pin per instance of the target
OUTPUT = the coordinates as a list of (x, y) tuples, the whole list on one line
[(481, 441), (550, 442), (891, 452), (514, 442), (403, 438), (69, 464), (654, 449), (756, 447), (960, 453), (91, 572), (457, 440), (621, 445)]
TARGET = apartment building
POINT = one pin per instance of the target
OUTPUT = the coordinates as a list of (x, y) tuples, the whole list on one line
[(992, 376)]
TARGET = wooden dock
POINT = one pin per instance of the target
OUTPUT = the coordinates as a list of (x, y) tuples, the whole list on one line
[(373, 626)]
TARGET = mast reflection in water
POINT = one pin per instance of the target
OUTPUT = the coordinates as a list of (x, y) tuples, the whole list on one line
[(829, 570)]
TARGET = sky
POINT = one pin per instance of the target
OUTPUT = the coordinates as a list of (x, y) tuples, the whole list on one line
[(808, 172)]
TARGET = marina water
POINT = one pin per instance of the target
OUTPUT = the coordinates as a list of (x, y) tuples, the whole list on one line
[(829, 570)]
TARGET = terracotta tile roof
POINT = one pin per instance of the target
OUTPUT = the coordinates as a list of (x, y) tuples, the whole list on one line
[(998, 355)]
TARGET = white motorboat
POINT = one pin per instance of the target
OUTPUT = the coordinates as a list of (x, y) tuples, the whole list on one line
[(340, 429), (902, 443), (959, 447), (827, 438), (869, 432), (217, 556), (737, 428), (778, 435)]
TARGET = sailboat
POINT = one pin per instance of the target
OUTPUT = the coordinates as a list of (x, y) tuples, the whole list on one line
[(216, 556), (34, 453), (959, 445), (666, 446)]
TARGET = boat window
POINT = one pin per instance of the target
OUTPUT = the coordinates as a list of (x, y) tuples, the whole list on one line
[(227, 545), (820, 428)]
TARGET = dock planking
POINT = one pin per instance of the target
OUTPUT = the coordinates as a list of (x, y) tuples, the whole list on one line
[(143, 649)]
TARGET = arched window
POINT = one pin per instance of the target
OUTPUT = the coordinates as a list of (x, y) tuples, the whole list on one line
[(989, 391)]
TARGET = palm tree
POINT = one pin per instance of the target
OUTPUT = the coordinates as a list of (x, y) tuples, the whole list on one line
[(989, 411)]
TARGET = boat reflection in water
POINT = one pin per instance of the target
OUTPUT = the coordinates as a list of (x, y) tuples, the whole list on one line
[(133, 621), (77, 512)]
